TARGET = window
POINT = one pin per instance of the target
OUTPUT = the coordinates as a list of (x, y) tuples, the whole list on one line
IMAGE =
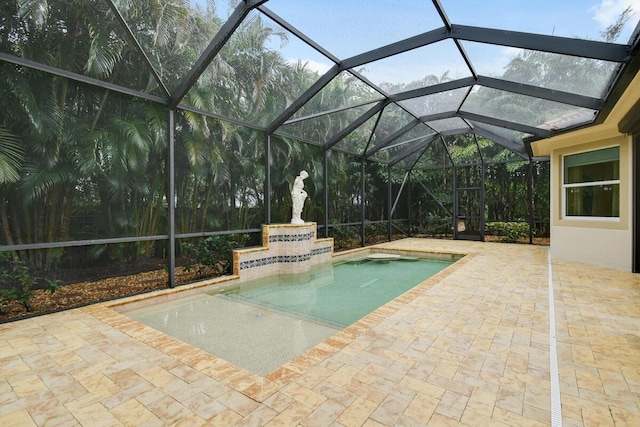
[(591, 184)]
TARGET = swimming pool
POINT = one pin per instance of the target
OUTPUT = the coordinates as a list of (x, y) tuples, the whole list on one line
[(261, 324)]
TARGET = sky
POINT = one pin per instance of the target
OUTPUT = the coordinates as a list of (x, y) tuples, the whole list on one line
[(606, 12), (549, 14), (349, 27)]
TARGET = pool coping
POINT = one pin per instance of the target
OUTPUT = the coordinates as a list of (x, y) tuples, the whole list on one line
[(254, 386)]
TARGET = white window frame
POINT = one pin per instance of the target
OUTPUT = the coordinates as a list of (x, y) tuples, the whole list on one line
[(586, 184)]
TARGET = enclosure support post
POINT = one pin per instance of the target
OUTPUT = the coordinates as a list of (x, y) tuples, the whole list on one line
[(267, 180), (531, 201), (409, 204), (389, 208), (455, 202), (635, 198), (171, 200), (482, 202), (363, 239), (325, 190)]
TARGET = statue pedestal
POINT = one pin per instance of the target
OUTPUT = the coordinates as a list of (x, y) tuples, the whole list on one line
[(286, 249)]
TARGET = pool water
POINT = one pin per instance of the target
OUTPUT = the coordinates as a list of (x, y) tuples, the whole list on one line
[(260, 325), (341, 295)]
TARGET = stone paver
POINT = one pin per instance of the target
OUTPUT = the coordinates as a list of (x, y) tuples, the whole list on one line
[(469, 346)]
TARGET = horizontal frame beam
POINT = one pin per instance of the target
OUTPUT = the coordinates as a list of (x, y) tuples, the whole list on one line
[(541, 92), (505, 124), (561, 45), (80, 78)]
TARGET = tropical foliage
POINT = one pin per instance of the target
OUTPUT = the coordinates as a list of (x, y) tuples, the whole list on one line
[(81, 162)]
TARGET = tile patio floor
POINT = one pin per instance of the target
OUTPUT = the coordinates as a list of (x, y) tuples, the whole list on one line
[(467, 347)]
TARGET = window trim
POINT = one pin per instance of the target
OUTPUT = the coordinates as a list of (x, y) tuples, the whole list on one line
[(564, 187)]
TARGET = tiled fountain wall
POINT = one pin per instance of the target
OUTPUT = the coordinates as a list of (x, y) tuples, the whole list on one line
[(286, 249)]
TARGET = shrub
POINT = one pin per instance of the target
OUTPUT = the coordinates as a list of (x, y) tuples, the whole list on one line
[(16, 282), (509, 232), (376, 229), (377, 232), (213, 252), (345, 233)]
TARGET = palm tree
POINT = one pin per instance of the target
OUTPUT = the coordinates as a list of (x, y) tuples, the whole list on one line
[(86, 148), (11, 158)]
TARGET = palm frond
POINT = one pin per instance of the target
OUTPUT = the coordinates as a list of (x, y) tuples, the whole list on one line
[(11, 156), (105, 51), (37, 100), (156, 120), (38, 180), (136, 151), (35, 11), (135, 132), (196, 151)]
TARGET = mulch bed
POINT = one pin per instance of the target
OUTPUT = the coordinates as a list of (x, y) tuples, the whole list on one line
[(88, 292)]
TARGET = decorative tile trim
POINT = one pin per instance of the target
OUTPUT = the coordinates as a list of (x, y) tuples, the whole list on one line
[(291, 237), (294, 247), (320, 251), (261, 262)]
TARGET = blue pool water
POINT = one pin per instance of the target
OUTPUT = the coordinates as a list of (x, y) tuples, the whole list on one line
[(342, 294), (260, 325)]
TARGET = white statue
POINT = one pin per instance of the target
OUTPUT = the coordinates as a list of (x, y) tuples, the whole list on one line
[(298, 196)]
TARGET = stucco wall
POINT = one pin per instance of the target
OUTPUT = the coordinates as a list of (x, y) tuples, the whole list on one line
[(606, 243), (605, 248)]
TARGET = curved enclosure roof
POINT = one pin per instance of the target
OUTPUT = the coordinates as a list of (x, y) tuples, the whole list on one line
[(397, 82)]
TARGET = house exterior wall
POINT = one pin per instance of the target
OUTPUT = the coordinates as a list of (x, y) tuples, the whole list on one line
[(603, 242)]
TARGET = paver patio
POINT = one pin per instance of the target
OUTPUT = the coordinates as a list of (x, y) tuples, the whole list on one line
[(470, 346)]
